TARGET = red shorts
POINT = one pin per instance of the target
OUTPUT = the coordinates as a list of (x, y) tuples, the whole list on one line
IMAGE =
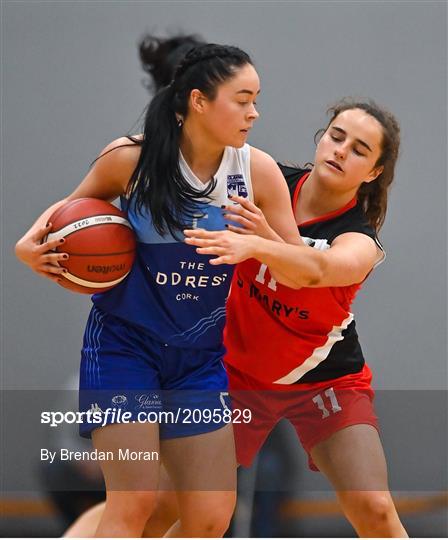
[(316, 410)]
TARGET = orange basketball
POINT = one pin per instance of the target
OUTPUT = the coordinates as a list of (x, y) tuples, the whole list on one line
[(100, 243)]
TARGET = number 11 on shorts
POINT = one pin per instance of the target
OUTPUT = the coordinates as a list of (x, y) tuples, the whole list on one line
[(319, 401)]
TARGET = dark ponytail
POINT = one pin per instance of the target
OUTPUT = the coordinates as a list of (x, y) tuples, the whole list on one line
[(160, 57), (157, 183), (373, 195)]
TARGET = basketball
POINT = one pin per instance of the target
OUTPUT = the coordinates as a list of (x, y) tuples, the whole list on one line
[(100, 243)]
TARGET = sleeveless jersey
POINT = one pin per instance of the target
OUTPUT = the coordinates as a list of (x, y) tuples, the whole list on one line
[(172, 292), (286, 336)]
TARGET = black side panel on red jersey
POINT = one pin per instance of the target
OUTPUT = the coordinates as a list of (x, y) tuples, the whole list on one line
[(353, 220), (292, 176), (345, 356)]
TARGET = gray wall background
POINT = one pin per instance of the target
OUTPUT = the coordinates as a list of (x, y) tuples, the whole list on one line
[(72, 83)]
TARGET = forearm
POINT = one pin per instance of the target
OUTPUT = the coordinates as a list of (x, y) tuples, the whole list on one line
[(292, 265), (275, 237), (32, 235)]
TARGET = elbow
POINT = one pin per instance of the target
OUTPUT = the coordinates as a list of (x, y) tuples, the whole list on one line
[(18, 250), (317, 272)]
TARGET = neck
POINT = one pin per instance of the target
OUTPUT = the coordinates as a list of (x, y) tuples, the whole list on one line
[(317, 199), (202, 157)]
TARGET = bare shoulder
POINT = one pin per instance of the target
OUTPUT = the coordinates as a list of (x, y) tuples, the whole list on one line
[(265, 173), (123, 149), (118, 160), (111, 171), (260, 160)]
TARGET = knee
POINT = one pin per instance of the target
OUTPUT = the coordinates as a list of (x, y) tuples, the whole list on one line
[(373, 509), (131, 506), (379, 506), (214, 525), (213, 522)]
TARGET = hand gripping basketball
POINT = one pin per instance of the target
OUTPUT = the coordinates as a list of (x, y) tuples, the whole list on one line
[(99, 241)]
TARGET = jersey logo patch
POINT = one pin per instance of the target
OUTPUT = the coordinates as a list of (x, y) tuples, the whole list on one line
[(316, 243), (236, 185)]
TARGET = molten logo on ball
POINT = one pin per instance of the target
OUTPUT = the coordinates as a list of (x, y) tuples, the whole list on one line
[(106, 269)]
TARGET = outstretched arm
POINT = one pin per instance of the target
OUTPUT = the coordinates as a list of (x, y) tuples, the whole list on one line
[(251, 220), (348, 261)]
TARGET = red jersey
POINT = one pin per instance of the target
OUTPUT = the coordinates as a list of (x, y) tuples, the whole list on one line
[(286, 336)]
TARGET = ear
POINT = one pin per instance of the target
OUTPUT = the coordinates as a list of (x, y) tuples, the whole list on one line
[(374, 173), (197, 101)]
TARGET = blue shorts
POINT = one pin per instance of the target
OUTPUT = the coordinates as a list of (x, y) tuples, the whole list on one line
[(127, 376)]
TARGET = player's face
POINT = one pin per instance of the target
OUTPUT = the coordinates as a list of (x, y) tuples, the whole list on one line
[(348, 151), (229, 117)]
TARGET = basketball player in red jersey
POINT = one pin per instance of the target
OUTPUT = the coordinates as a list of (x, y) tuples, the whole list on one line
[(293, 350)]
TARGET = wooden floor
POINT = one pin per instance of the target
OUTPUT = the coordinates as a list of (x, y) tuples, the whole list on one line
[(295, 508)]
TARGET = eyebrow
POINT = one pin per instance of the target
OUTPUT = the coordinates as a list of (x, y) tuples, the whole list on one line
[(360, 141), (248, 92)]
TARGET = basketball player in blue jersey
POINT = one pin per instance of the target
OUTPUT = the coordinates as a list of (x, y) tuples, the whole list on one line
[(155, 341)]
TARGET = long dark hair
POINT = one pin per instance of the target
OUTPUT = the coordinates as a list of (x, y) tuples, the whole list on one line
[(157, 183), (373, 195)]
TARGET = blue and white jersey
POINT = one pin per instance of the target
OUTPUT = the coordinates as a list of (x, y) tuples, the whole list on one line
[(172, 291)]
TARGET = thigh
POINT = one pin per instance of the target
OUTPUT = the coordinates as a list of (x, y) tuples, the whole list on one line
[(204, 462), (132, 456), (353, 459), (321, 410), (254, 414)]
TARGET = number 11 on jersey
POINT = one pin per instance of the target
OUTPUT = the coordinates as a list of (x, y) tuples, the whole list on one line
[(260, 277), (319, 401)]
